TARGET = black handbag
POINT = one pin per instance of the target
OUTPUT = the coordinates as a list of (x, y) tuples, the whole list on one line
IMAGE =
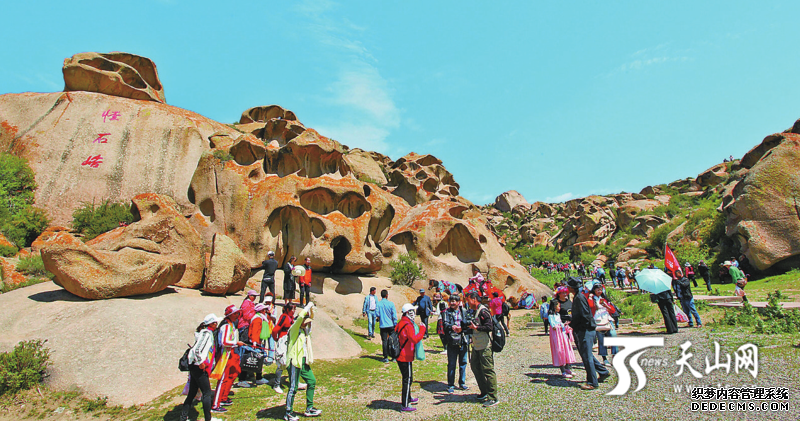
[(252, 361), (183, 363)]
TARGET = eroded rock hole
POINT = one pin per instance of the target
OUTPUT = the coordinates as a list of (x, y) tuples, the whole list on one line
[(319, 200), (317, 227), (207, 209), (190, 195), (341, 248), (459, 242), (353, 205), (367, 190)]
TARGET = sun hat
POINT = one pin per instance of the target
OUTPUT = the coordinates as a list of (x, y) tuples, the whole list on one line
[(560, 290), (270, 253), (268, 299), (298, 271), (408, 307), (574, 282), (421, 290), (259, 307), (726, 263), (687, 264), (252, 292), (231, 309), (211, 318)]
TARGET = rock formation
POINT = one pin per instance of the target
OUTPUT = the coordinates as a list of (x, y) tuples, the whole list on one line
[(228, 270), (762, 209), (509, 200), (159, 250), (117, 74), (267, 183)]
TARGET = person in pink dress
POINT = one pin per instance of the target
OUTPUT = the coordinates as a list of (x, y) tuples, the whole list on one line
[(560, 340)]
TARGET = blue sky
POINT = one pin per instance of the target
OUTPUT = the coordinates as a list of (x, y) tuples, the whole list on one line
[(553, 99)]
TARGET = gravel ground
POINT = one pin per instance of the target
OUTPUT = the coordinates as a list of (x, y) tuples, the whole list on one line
[(530, 388)]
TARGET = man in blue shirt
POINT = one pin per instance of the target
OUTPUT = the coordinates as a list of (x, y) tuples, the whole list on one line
[(370, 310), (424, 308), (387, 319)]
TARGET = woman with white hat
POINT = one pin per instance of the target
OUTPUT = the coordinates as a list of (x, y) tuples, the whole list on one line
[(408, 337), (201, 361)]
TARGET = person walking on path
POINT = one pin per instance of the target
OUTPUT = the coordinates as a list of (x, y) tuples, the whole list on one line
[(370, 311), (299, 358), (702, 269), (269, 266), (387, 320), (560, 340), (304, 283), (424, 308), (689, 269), (409, 335), (229, 340), (457, 337), (664, 300), (201, 361), (289, 286), (687, 301), (482, 358), (583, 326)]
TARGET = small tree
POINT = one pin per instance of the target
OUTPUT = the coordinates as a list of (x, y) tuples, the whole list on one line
[(406, 270), (91, 220)]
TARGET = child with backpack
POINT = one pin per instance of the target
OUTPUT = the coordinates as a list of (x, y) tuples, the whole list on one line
[(543, 314)]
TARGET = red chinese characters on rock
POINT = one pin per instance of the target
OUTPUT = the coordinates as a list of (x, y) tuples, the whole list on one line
[(101, 138), (93, 161), (110, 115)]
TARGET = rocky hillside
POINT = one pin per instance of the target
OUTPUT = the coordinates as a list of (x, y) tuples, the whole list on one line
[(745, 209), (266, 183)]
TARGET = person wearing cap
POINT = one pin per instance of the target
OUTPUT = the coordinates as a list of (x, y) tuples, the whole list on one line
[(387, 320), (482, 358), (201, 361), (248, 313), (289, 287), (269, 266), (702, 269), (370, 311), (304, 283), (738, 277), (690, 273), (260, 331), (408, 336), (424, 308), (299, 357), (687, 301), (583, 329), (457, 336), (229, 339)]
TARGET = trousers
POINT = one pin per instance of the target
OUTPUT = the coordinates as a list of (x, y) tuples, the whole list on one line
[(198, 380), (407, 374), (482, 363), (266, 283), (584, 339), (295, 373)]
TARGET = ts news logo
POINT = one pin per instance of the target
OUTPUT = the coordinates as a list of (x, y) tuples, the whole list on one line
[(633, 347)]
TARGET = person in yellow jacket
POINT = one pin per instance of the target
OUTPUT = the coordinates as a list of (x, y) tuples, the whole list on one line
[(299, 357)]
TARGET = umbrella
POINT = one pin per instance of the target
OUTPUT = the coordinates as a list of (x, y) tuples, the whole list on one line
[(654, 280)]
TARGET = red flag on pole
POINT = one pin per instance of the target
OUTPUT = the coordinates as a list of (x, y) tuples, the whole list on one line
[(670, 261)]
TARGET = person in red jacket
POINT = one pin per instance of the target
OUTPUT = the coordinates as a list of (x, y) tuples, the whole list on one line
[(408, 337), (305, 283)]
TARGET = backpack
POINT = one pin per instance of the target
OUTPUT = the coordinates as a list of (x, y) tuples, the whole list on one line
[(506, 309), (440, 326), (543, 310), (393, 344), (498, 338)]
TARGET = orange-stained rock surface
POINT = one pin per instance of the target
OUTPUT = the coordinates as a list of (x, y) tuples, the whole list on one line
[(118, 74), (162, 231), (228, 269), (41, 240), (10, 275), (4, 241)]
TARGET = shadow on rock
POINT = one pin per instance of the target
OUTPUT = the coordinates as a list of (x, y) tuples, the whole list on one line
[(53, 296)]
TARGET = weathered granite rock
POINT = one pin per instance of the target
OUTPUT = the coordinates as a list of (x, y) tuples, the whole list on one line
[(509, 200), (228, 270), (118, 74)]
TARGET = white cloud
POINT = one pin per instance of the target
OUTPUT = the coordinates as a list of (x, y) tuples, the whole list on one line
[(558, 199), (364, 113), (652, 56)]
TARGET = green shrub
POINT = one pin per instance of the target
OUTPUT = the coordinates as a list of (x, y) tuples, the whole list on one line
[(91, 220), (406, 270), (23, 226), (91, 405), (24, 367), (538, 254), (223, 156), (8, 251), (19, 221), (33, 266)]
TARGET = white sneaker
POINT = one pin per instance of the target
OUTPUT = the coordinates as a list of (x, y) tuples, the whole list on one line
[(277, 389), (262, 381), (215, 419), (302, 386)]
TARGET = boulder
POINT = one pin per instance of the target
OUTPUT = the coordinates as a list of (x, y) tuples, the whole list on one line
[(99, 274), (627, 212), (591, 218), (117, 74), (421, 178), (160, 231), (644, 225), (228, 270), (41, 240), (147, 147), (5, 243), (585, 246), (631, 254), (712, 176), (541, 239), (508, 200), (762, 209), (365, 168), (265, 113), (10, 275)]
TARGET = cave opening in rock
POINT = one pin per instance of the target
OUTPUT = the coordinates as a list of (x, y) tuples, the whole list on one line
[(341, 247)]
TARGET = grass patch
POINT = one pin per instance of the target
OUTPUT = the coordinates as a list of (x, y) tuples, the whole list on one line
[(33, 266), (8, 288)]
